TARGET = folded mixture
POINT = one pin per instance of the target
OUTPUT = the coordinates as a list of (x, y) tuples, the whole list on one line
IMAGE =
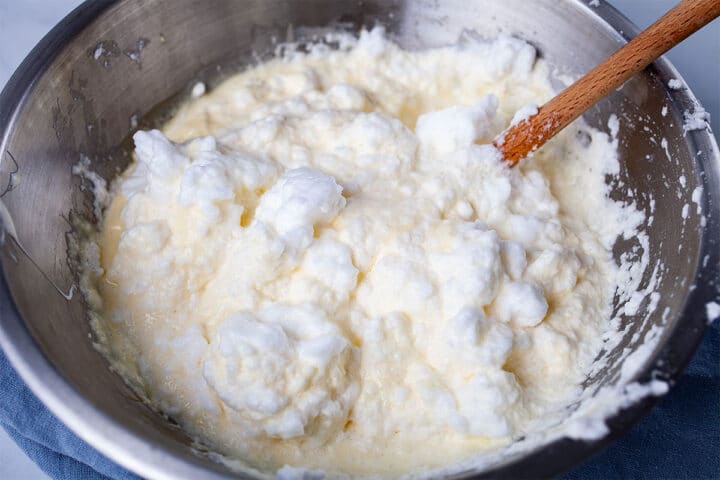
[(323, 264)]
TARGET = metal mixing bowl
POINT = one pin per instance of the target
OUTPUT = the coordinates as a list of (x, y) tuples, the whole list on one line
[(110, 62)]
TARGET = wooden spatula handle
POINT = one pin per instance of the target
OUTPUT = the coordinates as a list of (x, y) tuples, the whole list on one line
[(673, 27)]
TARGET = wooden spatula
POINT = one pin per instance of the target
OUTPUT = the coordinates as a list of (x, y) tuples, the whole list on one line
[(528, 135)]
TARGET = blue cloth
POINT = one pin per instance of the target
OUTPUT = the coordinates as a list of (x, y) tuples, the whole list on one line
[(679, 439), (46, 440)]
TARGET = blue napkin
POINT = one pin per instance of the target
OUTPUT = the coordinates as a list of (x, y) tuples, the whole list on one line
[(679, 439), (46, 440)]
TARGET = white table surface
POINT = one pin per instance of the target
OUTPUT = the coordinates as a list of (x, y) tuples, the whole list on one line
[(24, 22)]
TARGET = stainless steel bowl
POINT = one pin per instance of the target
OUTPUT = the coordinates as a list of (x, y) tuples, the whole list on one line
[(109, 62)]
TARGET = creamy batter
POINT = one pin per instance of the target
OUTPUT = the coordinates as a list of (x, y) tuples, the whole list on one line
[(323, 264)]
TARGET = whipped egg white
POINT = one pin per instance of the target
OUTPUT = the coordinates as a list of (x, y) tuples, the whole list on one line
[(322, 263)]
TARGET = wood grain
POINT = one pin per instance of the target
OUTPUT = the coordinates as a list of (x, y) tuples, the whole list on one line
[(676, 25)]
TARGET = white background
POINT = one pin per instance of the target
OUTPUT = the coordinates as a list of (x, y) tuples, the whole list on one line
[(24, 22)]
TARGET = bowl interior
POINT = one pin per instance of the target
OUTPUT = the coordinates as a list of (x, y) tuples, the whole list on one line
[(138, 58)]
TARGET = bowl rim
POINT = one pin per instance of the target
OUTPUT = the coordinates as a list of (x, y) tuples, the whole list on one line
[(119, 443)]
